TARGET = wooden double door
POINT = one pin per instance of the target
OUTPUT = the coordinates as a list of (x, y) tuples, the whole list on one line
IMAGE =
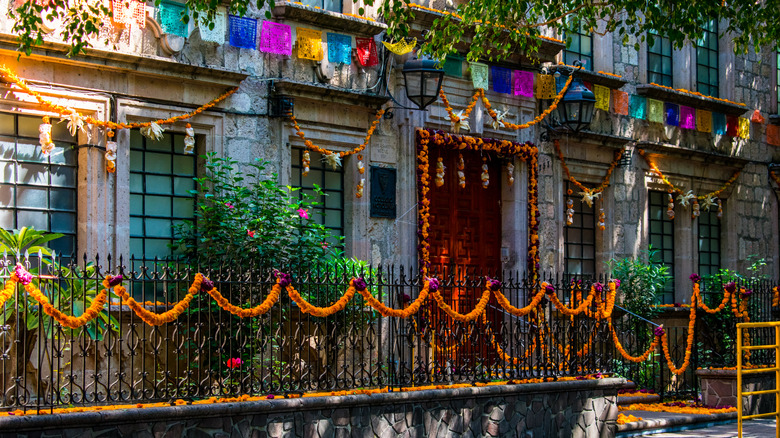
[(465, 223)]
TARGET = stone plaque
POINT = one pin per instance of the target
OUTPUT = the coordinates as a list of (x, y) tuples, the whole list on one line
[(383, 192)]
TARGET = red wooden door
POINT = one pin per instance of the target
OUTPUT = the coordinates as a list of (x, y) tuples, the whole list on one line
[(465, 233), (465, 223)]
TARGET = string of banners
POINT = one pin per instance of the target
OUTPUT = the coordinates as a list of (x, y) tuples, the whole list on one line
[(250, 33)]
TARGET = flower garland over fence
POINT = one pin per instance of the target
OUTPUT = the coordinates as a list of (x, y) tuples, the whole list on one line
[(527, 152), (592, 306)]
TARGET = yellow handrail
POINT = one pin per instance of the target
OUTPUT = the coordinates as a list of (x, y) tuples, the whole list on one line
[(776, 369)]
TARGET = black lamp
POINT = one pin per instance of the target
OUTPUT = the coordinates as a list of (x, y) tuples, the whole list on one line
[(422, 78), (575, 110)]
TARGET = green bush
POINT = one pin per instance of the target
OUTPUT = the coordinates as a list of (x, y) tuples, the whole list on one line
[(251, 221), (640, 282)]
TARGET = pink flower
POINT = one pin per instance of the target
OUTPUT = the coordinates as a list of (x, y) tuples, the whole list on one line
[(250, 233), (234, 362), (303, 213), (229, 205)]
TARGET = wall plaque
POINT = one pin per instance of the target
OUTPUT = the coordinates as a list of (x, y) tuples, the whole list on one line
[(383, 192)]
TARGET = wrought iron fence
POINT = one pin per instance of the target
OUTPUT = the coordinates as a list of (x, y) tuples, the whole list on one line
[(207, 351)]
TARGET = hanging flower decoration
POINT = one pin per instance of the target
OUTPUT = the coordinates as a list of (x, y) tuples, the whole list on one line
[(569, 211), (498, 121), (360, 186), (44, 136), (461, 173), (684, 199), (485, 174), (75, 121), (537, 119), (361, 167), (306, 162), (510, 173), (527, 152), (439, 172), (66, 113), (189, 139), (709, 201), (675, 189), (332, 160), (670, 207), (695, 209), (110, 154), (720, 209), (602, 220), (153, 132), (604, 181), (588, 196), (458, 121), (341, 154)]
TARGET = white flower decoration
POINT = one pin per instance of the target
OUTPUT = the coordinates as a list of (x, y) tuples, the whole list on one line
[(153, 131), (333, 160), (589, 196), (709, 201), (460, 124), (75, 122), (498, 122), (686, 198)]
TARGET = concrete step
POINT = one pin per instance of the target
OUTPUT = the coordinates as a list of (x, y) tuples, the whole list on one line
[(664, 422), (647, 398)]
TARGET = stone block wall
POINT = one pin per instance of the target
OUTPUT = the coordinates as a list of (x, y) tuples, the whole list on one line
[(585, 408)]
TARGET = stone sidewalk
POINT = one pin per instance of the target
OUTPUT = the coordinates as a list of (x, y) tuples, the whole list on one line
[(760, 428), (669, 425)]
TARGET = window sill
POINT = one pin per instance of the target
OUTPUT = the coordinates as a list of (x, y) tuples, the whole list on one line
[(690, 99), (666, 149), (327, 19), (610, 81), (325, 92), (423, 22)]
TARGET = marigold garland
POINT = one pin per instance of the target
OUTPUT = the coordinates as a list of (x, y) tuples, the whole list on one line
[(527, 152), (322, 312), (258, 310), (72, 322), (467, 317), (696, 93), (676, 408), (340, 154), (537, 119), (636, 359), (397, 313), (604, 181), (680, 191), (10, 77), (153, 318)]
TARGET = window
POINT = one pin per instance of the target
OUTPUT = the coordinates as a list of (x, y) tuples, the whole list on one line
[(709, 243), (161, 176), (659, 61), (331, 182), (579, 46), (328, 5), (579, 255), (38, 190), (662, 240), (707, 61)]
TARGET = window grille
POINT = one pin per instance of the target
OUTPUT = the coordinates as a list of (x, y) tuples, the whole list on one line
[(659, 61), (38, 190), (161, 176), (579, 255), (330, 211), (662, 240), (707, 61)]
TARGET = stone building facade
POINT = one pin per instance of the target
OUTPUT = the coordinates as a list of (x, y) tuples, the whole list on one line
[(148, 74)]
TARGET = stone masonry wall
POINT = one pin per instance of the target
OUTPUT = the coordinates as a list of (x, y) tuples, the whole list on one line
[(585, 408)]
